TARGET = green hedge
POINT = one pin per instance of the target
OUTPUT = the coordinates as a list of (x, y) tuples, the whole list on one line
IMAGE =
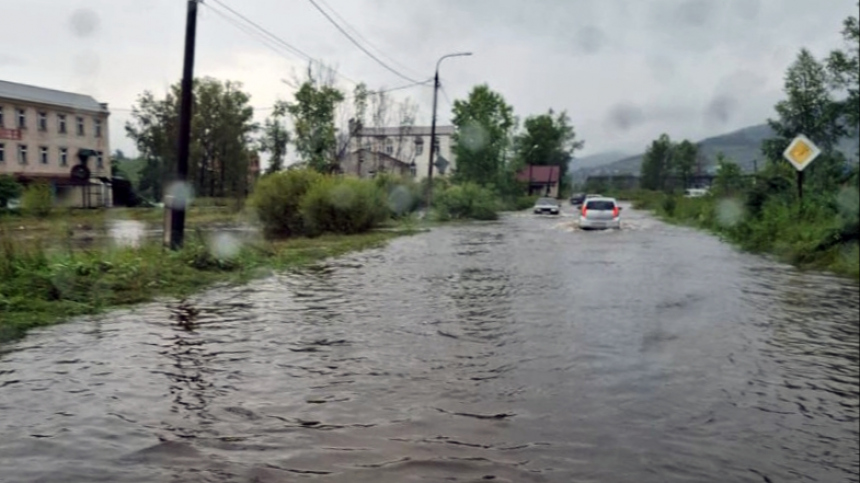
[(276, 200), (466, 201), (343, 205)]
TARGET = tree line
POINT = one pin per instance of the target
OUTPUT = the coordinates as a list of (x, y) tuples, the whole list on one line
[(821, 102)]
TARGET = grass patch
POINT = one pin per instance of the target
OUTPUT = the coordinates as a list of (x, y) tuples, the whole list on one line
[(40, 288)]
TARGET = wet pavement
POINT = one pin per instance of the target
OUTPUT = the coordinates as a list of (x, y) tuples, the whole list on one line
[(517, 351)]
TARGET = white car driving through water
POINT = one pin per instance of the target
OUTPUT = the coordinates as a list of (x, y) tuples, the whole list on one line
[(600, 214)]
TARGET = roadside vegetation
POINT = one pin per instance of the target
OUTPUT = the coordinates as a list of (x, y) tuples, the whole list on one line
[(763, 212)]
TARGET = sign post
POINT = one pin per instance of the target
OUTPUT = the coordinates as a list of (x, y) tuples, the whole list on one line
[(801, 153)]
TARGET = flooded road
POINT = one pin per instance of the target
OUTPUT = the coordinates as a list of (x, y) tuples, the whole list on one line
[(517, 351)]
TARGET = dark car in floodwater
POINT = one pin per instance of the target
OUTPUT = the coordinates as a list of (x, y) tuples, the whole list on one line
[(577, 199)]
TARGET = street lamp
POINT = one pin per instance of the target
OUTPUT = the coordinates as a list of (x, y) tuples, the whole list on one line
[(433, 124)]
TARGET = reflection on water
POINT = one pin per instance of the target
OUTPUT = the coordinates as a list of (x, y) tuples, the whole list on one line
[(510, 351)]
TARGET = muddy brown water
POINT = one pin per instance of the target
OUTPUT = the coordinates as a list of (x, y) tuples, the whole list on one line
[(517, 351)]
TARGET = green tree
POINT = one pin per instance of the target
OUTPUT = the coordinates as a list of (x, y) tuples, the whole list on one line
[(684, 157), (657, 163), (844, 68), (729, 179), (313, 113), (221, 129), (548, 140), (274, 142), (808, 109), (9, 189), (483, 125)]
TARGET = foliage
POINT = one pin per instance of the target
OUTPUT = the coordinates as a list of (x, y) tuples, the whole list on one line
[(276, 199), (274, 142), (9, 189), (37, 200), (730, 179), (466, 201), (844, 69), (483, 127), (39, 287), (548, 139), (221, 129), (403, 194), (345, 205), (656, 164), (313, 113), (684, 157)]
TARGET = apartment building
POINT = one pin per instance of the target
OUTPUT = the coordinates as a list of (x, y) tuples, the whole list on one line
[(401, 150), (46, 134)]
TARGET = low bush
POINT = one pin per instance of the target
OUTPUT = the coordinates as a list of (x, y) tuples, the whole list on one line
[(276, 201), (343, 205), (37, 200), (466, 201), (404, 195)]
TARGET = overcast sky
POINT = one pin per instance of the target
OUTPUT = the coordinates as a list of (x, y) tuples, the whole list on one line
[(625, 70)]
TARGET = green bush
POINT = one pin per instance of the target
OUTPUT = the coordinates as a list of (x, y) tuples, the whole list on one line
[(9, 190), (37, 200), (466, 201), (525, 202), (404, 195), (344, 205), (276, 199)]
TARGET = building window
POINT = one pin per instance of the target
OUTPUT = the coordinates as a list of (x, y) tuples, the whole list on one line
[(2, 153), (81, 130), (100, 160), (419, 146), (43, 121), (64, 156), (22, 119), (1, 116), (389, 147), (43, 155), (98, 127), (436, 144), (22, 154), (61, 119)]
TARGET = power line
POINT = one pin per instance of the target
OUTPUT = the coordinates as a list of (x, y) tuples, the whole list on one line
[(272, 37), (364, 39), (357, 44)]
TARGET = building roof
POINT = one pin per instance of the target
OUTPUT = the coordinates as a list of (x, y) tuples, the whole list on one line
[(406, 131), (381, 155), (539, 174), (26, 93)]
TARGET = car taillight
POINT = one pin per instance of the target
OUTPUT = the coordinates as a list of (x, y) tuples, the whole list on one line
[(615, 212), (584, 210)]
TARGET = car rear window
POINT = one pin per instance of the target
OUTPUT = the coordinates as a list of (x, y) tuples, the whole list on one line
[(600, 205)]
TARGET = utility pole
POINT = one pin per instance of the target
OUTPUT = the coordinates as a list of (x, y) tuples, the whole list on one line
[(179, 203), (432, 153), (429, 196)]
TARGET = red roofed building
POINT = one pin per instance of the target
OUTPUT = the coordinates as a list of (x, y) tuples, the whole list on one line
[(542, 180)]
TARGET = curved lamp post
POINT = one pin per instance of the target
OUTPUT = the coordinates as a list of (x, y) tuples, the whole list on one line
[(433, 125)]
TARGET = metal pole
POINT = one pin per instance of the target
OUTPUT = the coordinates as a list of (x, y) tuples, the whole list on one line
[(429, 195), (800, 186), (180, 202)]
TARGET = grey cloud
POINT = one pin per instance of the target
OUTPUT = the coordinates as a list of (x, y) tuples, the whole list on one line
[(84, 22)]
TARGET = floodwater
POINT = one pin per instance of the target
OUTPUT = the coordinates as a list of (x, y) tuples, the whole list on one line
[(517, 351)]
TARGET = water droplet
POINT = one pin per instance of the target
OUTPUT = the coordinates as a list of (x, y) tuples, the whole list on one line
[(729, 212), (473, 136), (84, 22), (225, 245)]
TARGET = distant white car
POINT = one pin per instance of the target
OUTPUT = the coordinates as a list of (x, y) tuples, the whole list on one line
[(695, 192), (547, 205), (600, 214)]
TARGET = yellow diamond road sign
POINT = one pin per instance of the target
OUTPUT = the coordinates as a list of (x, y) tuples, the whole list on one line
[(801, 152)]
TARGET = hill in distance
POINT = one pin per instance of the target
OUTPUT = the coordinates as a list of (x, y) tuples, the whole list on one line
[(742, 146)]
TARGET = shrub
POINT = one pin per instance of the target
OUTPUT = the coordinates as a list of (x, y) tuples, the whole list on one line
[(403, 195), (37, 200), (466, 201), (276, 199), (344, 205), (9, 189)]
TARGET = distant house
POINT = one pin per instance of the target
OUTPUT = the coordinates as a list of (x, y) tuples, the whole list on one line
[(366, 163), (403, 149), (541, 180), (47, 135)]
